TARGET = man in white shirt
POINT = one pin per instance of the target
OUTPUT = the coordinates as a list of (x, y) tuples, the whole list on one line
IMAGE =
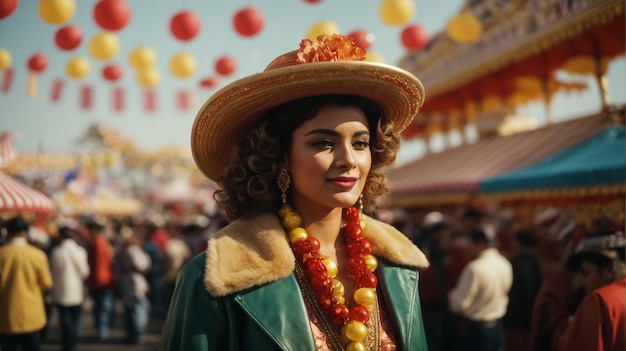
[(70, 269), (481, 294)]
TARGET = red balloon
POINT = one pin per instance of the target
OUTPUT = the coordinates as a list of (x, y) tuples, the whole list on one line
[(111, 14), (7, 7), (185, 25), (38, 62), (225, 65), (69, 37), (414, 37), (209, 83), (362, 38), (248, 21), (112, 72)]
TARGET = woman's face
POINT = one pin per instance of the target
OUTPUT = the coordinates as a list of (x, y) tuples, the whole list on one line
[(330, 158), (594, 277)]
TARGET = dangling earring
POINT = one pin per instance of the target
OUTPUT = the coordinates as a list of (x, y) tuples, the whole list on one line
[(359, 204), (283, 181)]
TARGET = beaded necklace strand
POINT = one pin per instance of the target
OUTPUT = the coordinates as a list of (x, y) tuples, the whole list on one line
[(321, 272)]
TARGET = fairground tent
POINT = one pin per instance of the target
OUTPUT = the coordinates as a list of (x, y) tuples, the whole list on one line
[(594, 167), (453, 176)]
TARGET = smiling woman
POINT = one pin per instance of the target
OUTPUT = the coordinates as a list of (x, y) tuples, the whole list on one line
[(307, 140)]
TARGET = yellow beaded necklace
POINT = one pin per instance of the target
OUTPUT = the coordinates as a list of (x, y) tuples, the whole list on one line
[(321, 272)]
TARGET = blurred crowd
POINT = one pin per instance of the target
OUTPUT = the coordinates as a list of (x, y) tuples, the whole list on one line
[(91, 263), (499, 283)]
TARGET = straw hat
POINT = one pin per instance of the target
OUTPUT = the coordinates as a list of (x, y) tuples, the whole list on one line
[(332, 64)]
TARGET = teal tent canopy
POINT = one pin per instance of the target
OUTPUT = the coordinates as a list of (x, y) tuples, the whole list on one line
[(596, 161)]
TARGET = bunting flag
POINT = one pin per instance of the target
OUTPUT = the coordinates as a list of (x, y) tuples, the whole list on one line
[(185, 99), (86, 97), (150, 100), (57, 90), (7, 80), (32, 85), (118, 99)]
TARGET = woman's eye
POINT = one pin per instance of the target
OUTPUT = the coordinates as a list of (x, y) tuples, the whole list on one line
[(361, 144), (323, 144)]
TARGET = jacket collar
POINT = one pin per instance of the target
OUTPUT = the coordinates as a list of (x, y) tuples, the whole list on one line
[(254, 251)]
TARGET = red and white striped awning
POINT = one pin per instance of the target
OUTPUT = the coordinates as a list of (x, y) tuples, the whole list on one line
[(18, 197), (7, 150), (460, 170)]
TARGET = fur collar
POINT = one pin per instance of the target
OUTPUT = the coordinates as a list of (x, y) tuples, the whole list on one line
[(256, 251)]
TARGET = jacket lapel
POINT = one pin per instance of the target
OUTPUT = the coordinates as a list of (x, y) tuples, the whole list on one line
[(279, 310)]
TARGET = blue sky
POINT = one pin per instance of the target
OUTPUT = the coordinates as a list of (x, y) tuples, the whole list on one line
[(56, 126)]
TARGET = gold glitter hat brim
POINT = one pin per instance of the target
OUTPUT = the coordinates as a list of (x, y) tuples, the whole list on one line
[(233, 110)]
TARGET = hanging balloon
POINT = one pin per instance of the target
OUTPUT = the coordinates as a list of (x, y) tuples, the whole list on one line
[(112, 72), (104, 46), (464, 28), (111, 14), (374, 57), (143, 57), (5, 59), (362, 38), (248, 21), (77, 67), (148, 78), (183, 65), (209, 83), (319, 28), (414, 37), (37, 62), (225, 65), (56, 11), (185, 25), (396, 12), (69, 37), (7, 7)]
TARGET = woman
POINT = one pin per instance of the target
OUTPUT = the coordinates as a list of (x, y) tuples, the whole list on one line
[(294, 149)]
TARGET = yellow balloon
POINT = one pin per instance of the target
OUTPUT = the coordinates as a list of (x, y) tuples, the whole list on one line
[(56, 11), (142, 57), (104, 46), (5, 59), (465, 28), (77, 67), (148, 78), (324, 27), (396, 12), (374, 57), (183, 65)]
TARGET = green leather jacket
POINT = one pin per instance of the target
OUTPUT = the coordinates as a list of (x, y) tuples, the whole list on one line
[(242, 294)]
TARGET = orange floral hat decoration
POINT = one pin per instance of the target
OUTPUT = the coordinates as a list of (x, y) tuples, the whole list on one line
[(332, 64)]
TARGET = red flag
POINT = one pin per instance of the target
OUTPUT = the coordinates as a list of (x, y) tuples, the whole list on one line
[(118, 99), (183, 100), (7, 81), (86, 97), (150, 100), (57, 90)]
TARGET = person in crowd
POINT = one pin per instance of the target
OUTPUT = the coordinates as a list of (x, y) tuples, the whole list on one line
[(101, 281), (24, 279), (154, 245), (527, 279), (433, 281), (177, 252), (599, 323), (295, 150), (132, 264), (482, 293), (70, 269)]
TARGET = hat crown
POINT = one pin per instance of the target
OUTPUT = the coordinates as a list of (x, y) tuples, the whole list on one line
[(326, 48)]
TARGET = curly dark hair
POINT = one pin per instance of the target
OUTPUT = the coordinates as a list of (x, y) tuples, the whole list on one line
[(249, 185)]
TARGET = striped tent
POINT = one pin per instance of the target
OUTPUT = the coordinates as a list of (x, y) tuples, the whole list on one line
[(18, 197), (454, 175)]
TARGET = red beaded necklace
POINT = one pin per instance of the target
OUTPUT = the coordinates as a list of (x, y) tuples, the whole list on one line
[(321, 272)]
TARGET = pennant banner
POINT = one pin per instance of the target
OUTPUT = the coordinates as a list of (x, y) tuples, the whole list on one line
[(118, 99), (86, 97), (7, 81), (150, 100), (57, 90)]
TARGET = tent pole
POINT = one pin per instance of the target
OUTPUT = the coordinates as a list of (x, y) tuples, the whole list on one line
[(603, 83)]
